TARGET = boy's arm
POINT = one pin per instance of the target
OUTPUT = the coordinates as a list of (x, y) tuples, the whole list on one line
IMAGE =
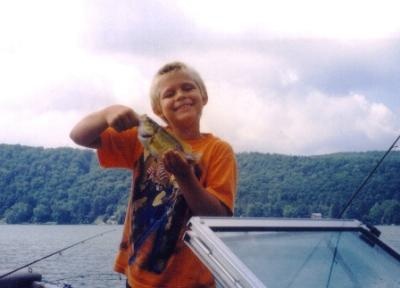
[(87, 131), (199, 200)]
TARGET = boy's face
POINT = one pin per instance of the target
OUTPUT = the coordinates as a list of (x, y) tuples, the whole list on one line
[(180, 99)]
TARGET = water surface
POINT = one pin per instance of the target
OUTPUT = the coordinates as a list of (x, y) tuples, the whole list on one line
[(88, 264)]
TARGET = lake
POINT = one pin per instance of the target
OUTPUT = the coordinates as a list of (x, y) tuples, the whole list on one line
[(88, 264)]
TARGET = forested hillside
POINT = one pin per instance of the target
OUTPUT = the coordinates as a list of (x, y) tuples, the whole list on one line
[(60, 185), (65, 185)]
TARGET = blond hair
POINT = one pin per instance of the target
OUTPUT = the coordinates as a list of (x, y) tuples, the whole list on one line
[(170, 68)]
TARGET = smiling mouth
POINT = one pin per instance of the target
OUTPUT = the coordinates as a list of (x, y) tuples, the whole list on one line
[(184, 106)]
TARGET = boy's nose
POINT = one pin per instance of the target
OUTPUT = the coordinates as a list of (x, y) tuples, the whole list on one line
[(180, 94)]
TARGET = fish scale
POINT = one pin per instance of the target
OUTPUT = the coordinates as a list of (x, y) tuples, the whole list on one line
[(157, 140)]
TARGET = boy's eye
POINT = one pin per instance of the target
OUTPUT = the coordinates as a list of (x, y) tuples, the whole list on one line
[(187, 87), (168, 94)]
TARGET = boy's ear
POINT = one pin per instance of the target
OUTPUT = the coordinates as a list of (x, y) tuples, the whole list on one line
[(205, 100)]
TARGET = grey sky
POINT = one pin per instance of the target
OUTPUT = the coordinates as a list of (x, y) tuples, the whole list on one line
[(310, 82)]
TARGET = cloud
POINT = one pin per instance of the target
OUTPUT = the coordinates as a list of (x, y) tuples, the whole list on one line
[(310, 18), (40, 25), (314, 123), (278, 82), (147, 28), (48, 128), (260, 100), (57, 81), (44, 96)]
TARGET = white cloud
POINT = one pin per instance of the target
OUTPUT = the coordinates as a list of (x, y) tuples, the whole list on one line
[(379, 120), (297, 124), (41, 81), (269, 90), (288, 77), (43, 96), (40, 25), (285, 18), (50, 128)]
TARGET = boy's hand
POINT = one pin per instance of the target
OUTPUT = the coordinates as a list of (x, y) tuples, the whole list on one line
[(121, 117), (88, 130), (176, 164)]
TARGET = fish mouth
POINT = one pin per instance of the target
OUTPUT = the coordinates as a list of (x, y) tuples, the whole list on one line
[(146, 135), (145, 132)]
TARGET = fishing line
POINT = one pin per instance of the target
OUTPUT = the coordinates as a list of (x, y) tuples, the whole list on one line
[(111, 276), (305, 262), (333, 260), (367, 178), (57, 252)]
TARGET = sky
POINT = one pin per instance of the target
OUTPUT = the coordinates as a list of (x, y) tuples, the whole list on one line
[(291, 77)]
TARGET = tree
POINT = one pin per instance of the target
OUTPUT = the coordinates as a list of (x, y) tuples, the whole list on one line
[(62, 214), (19, 212), (66, 185), (41, 213), (391, 212)]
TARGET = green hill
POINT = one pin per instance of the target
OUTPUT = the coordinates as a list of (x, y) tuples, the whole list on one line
[(66, 185)]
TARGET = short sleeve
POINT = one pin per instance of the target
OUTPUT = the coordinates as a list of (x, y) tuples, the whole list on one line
[(119, 150), (221, 176)]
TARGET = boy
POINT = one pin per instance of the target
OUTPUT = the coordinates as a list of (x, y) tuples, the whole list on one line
[(167, 191)]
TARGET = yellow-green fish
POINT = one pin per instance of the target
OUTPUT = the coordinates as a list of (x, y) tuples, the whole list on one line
[(156, 140)]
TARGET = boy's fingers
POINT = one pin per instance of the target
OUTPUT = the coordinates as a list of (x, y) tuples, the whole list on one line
[(171, 160), (175, 163), (122, 118), (118, 125), (130, 120), (168, 162), (123, 123), (170, 156)]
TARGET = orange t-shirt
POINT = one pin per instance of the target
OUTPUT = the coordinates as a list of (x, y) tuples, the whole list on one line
[(152, 252)]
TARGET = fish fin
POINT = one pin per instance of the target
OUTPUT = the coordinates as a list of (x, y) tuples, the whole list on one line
[(146, 153)]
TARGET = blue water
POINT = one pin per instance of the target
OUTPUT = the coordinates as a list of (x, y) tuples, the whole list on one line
[(88, 264), (391, 235)]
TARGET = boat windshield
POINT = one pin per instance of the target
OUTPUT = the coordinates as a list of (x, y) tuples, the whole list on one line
[(293, 253)]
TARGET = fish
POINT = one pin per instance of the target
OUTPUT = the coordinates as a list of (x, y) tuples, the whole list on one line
[(156, 140), (158, 203)]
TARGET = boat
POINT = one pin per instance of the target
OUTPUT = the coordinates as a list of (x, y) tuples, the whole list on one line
[(277, 252), (314, 252), (274, 252), (28, 279)]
